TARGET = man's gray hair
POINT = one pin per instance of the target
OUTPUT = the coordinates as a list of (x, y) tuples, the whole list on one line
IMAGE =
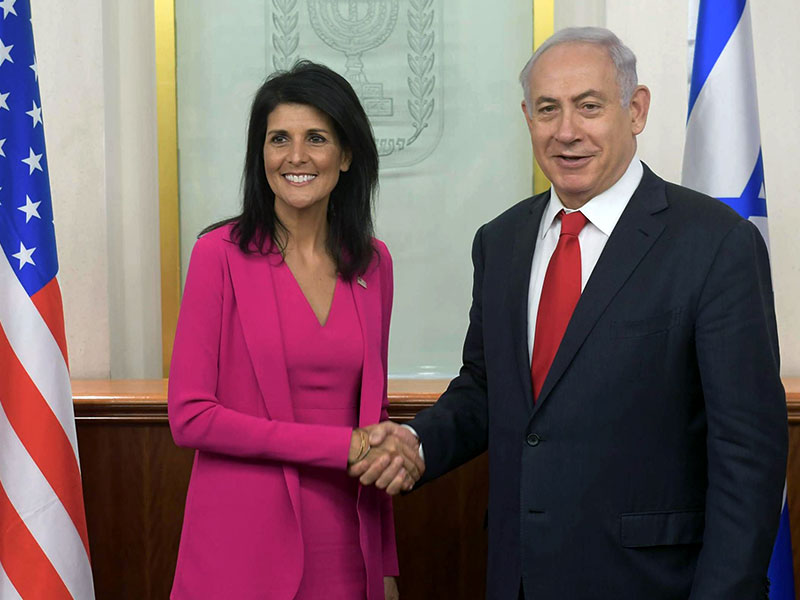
[(623, 58)]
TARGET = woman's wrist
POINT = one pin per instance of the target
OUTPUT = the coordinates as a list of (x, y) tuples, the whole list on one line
[(359, 446)]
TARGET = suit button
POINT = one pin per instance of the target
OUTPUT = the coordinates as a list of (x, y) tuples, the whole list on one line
[(533, 439)]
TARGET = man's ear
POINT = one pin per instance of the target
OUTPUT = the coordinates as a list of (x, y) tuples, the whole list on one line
[(639, 107), (528, 119)]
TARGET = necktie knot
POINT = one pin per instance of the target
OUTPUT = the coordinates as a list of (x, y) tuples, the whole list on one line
[(572, 223)]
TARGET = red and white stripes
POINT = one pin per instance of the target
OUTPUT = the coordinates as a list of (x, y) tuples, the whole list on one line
[(44, 548)]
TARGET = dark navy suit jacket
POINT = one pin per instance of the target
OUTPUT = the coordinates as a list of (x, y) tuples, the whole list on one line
[(653, 463)]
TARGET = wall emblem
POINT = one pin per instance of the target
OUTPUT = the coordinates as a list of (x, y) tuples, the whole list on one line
[(390, 52)]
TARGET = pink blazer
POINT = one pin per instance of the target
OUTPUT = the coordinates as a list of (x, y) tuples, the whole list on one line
[(229, 399)]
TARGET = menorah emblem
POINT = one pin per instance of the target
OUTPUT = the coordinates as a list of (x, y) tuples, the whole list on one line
[(366, 24)]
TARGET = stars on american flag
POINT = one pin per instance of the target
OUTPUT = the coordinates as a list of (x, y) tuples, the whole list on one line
[(35, 113), (31, 209), (33, 161), (8, 7), (5, 53), (24, 255), (26, 214)]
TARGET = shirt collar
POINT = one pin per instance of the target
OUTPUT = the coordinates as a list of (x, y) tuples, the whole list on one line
[(604, 210)]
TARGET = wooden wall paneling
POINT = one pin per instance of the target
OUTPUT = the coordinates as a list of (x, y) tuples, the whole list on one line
[(441, 539), (793, 477), (135, 481)]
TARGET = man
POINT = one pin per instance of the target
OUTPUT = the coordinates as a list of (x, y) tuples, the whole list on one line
[(621, 364)]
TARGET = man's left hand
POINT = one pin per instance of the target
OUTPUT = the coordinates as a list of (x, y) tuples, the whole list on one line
[(390, 590)]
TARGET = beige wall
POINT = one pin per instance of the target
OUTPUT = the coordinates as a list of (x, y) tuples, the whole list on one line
[(657, 31), (69, 45), (96, 66), (775, 26), (97, 81)]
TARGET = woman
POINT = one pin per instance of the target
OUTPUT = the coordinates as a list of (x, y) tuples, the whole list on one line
[(280, 355)]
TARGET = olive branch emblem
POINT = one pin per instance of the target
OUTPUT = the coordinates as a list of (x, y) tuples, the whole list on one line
[(422, 81), (421, 61), (285, 41)]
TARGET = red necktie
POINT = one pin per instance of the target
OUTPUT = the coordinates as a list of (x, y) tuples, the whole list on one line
[(560, 293)]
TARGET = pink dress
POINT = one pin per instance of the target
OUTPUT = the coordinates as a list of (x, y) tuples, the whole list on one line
[(324, 367)]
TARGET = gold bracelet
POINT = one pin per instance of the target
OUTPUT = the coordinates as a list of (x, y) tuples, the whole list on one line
[(364, 448), (360, 448)]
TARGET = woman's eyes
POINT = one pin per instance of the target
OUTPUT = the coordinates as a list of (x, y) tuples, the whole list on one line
[(313, 138)]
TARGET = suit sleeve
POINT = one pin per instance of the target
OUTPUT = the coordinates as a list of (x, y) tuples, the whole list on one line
[(454, 430), (737, 354), (196, 416), (389, 549)]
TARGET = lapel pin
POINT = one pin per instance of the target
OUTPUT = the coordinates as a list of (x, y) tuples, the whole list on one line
[(362, 283)]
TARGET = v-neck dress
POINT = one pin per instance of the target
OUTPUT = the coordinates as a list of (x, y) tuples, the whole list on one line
[(324, 365)]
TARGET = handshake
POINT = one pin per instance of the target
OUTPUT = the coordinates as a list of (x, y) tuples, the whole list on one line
[(386, 455)]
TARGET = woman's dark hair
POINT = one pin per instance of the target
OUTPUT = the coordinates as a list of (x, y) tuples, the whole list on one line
[(350, 208)]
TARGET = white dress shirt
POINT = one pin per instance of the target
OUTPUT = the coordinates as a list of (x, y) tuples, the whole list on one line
[(603, 211)]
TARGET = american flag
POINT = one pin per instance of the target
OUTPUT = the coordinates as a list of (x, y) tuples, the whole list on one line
[(44, 547)]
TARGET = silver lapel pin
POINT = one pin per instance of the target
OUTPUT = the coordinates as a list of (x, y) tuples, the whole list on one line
[(362, 283)]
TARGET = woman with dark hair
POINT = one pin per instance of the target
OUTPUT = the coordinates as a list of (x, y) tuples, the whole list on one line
[(280, 360)]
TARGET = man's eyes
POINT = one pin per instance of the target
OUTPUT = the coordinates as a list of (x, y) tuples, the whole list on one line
[(586, 106)]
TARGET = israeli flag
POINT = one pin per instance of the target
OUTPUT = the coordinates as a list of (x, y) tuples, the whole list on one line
[(781, 572), (722, 158)]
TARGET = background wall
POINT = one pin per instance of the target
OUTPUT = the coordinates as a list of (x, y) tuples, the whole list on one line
[(69, 45), (470, 161), (657, 31), (96, 69), (97, 81)]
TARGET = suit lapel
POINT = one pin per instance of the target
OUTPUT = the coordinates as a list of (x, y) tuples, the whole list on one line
[(366, 292), (635, 233), (253, 286), (368, 307), (525, 239)]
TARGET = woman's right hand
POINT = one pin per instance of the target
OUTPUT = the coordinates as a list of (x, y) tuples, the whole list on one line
[(393, 464)]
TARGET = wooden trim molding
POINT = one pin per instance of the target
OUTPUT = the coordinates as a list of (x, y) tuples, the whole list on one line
[(145, 400), (792, 385)]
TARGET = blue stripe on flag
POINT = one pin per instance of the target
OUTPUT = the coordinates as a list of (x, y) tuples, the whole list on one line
[(780, 570), (749, 204), (716, 21)]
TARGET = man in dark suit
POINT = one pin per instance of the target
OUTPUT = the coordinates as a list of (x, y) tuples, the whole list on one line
[(621, 364)]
